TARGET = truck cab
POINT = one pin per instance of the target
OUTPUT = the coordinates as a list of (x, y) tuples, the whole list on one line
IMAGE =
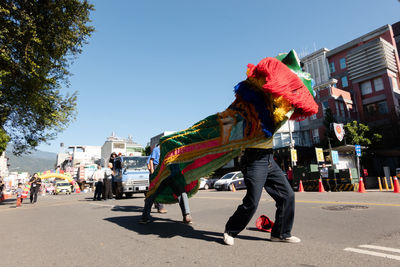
[(130, 176)]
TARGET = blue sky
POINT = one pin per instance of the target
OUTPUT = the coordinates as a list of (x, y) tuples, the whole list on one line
[(154, 66)]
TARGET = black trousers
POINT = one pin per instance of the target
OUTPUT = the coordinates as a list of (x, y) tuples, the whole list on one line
[(33, 194), (261, 171), (107, 189), (98, 191), (158, 206), (326, 184)]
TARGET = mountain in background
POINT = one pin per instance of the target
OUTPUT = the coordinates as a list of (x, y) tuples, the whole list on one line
[(37, 161)]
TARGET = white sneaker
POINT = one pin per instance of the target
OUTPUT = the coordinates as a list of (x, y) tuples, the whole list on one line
[(291, 239), (228, 240)]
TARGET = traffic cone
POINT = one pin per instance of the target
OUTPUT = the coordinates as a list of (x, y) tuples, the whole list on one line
[(301, 188), (321, 187), (361, 188), (77, 189), (233, 188), (396, 185)]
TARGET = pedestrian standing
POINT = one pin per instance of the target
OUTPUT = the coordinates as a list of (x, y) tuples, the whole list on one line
[(98, 177), (177, 188), (35, 183), (289, 174), (325, 177), (260, 170), (107, 185), (19, 194), (152, 163)]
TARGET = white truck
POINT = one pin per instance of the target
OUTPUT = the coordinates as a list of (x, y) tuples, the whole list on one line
[(130, 176)]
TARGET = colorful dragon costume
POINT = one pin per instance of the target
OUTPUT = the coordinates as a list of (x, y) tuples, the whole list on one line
[(275, 90)]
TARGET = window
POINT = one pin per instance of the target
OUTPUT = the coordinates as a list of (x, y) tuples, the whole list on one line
[(337, 108), (332, 66), (342, 63), (393, 84), (285, 139), (313, 117), (342, 109), (382, 107), (345, 83), (325, 105), (277, 140), (376, 108), (315, 136), (378, 84), (366, 88)]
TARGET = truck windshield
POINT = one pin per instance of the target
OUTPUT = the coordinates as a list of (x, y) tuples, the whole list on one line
[(135, 163)]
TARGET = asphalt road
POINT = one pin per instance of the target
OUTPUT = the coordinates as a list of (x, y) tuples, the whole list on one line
[(337, 229)]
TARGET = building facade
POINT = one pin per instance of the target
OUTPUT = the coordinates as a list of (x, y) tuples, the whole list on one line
[(119, 145), (368, 68)]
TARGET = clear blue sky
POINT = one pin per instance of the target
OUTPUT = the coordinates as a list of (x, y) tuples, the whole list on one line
[(154, 66)]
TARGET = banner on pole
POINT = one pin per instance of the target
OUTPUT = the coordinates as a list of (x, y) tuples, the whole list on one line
[(339, 131), (293, 153), (320, 154), (335, 157)]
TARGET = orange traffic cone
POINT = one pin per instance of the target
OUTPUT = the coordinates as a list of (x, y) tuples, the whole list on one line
[(233, 189), (361, 188), (321, 188), (301, 188), (396, 185), (77, 189)]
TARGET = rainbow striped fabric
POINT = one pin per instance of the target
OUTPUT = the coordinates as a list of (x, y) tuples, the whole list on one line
[(275, 90)]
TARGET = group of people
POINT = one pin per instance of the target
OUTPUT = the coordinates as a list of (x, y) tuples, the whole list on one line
[(103, 182), (35, 183)]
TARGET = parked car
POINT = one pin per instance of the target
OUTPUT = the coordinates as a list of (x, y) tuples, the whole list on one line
[(211, 182), (205, 183), (230, 180)]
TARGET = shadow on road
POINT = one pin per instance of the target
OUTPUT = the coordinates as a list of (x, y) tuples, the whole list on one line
[(90, 199), (127, 208), (167, 228), (7, 202)]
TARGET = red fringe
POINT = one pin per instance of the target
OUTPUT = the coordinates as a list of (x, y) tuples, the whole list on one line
[(281, 81)]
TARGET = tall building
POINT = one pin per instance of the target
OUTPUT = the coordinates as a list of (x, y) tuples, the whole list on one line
[(368, 68), (359, 80), (119, 145)]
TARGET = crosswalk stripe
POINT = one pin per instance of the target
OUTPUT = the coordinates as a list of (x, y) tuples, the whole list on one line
[(381, 248), (373, 253)]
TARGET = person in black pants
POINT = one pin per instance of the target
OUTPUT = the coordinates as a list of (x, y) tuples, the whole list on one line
[(98, 177), (260, 170), (35, 183), (107, 184)]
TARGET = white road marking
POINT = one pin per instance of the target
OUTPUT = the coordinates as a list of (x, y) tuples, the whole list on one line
[(373, 253), (381, 248)]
